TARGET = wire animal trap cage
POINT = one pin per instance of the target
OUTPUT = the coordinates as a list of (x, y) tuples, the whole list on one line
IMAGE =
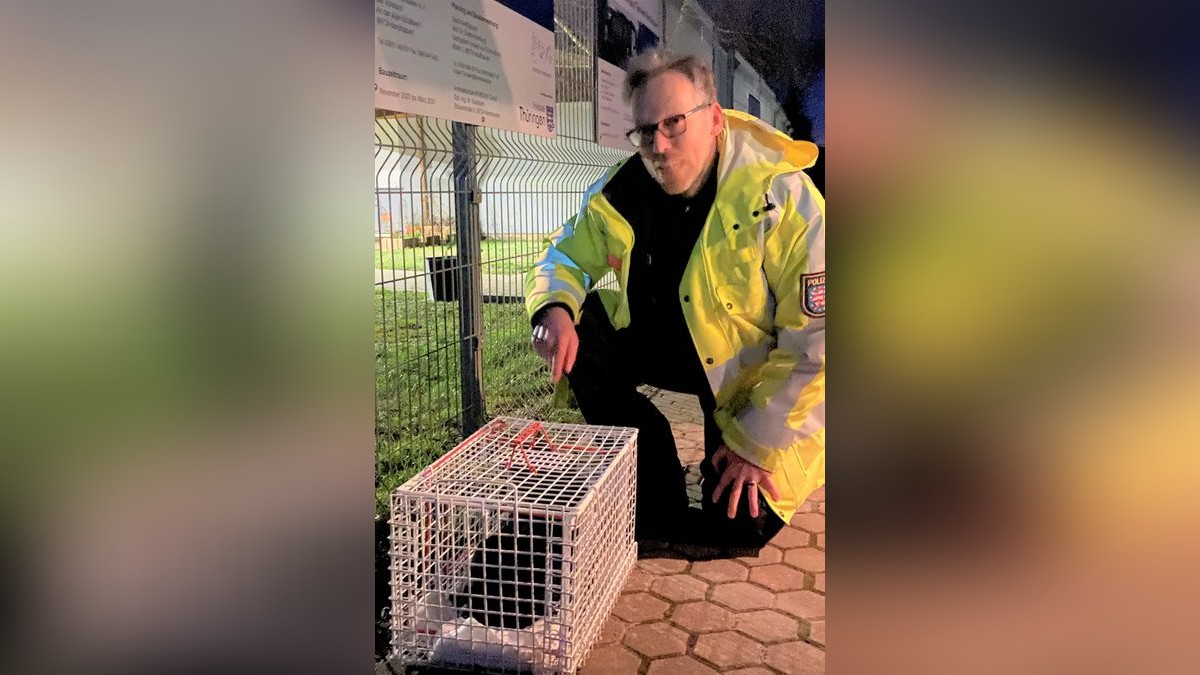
[(508, 553)]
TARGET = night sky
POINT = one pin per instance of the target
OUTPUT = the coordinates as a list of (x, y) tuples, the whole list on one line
[(785, 41)]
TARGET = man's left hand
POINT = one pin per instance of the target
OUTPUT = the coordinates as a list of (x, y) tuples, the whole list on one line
[(739, 475)]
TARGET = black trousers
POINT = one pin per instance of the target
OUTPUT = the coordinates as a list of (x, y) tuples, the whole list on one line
[(609, 367)]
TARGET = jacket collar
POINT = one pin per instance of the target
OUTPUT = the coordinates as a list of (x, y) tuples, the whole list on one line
[(752, 154)]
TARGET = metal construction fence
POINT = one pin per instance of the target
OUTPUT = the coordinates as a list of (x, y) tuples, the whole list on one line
[(461, 214)]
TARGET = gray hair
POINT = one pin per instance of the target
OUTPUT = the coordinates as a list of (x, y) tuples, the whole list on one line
[(643, 67)]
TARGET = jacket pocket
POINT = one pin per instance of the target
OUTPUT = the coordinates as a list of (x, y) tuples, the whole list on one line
[(739, 265), (741, 285), (746, 298)]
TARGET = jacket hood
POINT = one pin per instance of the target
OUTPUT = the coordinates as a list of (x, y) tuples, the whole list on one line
[(752, 140)]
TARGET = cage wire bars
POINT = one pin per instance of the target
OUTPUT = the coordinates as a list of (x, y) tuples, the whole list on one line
[(509, 552), (461, 214)]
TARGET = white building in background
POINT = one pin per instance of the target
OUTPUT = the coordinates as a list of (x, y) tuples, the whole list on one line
[(527, 183), (752, 94), (690, 30)]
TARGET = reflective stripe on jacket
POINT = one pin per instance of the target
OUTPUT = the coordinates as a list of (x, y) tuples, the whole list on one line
[(752, 295)]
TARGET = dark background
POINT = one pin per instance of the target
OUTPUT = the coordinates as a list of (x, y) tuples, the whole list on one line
[(784, 41)]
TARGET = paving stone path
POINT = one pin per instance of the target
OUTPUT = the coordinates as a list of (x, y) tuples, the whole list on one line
[(750, 615)]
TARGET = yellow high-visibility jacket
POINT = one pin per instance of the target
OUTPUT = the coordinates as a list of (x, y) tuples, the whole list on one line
[(753, 295)]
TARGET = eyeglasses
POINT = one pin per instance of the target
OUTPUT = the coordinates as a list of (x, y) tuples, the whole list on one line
[(671, 127)]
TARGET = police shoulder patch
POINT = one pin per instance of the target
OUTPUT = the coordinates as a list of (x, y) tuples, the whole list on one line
[(812, 286)]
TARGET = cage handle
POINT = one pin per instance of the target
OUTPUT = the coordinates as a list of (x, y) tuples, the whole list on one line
[(523, 439), (527, 438)]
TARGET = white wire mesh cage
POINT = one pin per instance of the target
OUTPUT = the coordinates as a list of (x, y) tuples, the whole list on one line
[(508, 553)]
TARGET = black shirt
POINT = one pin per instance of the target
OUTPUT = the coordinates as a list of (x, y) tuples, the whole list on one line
[(665, 230)]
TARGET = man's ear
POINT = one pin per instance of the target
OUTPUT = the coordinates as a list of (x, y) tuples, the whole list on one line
[(718, 118)]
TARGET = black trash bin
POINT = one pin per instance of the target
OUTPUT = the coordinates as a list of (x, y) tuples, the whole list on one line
[(441, 273)]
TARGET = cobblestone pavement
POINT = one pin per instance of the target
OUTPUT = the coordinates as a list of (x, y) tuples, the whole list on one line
[(751, 615)]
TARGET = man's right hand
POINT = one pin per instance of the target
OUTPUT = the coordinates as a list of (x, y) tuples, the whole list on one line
[(555, 340)]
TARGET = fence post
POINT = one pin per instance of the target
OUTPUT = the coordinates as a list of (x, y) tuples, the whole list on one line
[(470, 278)]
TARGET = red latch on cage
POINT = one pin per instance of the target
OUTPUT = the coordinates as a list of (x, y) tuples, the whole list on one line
[(525, 440)]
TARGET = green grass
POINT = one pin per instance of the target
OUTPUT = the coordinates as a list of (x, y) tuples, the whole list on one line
[(504, 256), (417, 380)]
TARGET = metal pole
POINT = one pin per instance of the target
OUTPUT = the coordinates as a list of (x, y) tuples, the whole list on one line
[(470, 280)]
